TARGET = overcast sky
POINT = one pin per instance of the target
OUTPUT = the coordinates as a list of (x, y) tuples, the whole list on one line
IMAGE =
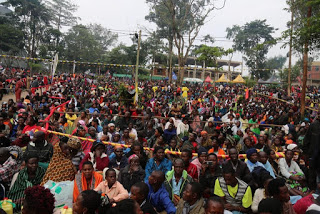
[(128, 16)]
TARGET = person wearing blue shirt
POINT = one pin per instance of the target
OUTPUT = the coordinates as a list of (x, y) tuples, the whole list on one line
[(263, 158), (159, 162), (252, 162), (158, 195)]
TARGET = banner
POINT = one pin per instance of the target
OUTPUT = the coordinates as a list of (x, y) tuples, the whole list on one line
[(54, 65)]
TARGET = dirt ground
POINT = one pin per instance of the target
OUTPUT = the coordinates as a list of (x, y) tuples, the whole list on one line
[(6, 97)]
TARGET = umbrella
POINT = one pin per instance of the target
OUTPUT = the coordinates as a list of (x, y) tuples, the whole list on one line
[(192, 80), (208, 79), (239, 79), (223, 79)]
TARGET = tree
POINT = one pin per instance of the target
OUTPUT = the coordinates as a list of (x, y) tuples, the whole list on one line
[(185, 18), (209, 55), (254, 40), (305, 35), (11, 37), (80, 45), (103, 36), (33, 18), (63, 13), (164, 30), (275, 63)]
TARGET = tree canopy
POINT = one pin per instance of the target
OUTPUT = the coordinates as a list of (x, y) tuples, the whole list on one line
[(254, 40)]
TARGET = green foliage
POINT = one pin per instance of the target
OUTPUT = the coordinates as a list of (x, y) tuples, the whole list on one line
[(62, 12), (250, 82), (181, 20), (33, 17), (254, 40), (11, 39), (81, 44), (305, 29), (210, 54), (36, 68)]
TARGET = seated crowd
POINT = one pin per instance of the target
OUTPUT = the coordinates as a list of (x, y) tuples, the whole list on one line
[(158, 159)]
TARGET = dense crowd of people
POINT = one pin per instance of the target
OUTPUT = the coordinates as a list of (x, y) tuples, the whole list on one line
[(198, 148)]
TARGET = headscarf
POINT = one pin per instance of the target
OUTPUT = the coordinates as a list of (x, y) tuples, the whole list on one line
[(131, 157), (60, 167), (74, 143), (250, 152)]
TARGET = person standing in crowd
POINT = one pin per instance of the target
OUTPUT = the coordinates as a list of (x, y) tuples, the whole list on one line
[(18, 89)]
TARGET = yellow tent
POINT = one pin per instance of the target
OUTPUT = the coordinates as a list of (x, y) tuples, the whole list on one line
[(239, 79), (223, 79)]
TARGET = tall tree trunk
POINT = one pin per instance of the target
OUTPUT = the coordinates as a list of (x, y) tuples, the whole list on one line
[(290, 51), (170, 59), (181, 69), (305, 71)]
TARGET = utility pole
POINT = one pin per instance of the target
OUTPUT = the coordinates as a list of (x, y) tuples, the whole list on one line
[(137, 69), (305, 69), (290, 51)]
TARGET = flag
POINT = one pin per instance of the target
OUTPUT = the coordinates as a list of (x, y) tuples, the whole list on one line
[(54, 65), (174, 77), (247, 94), (74, 67)]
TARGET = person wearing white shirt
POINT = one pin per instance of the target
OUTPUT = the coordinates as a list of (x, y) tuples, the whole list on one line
[(288, 167)]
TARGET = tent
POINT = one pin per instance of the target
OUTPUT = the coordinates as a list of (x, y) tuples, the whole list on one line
[(272, 80), (239, 79), (208, 79), (223, 79), (192, 80)]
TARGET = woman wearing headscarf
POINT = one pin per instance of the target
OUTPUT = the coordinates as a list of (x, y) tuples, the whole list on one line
[(60, 167), (30, 176), (97, 156), (132, 173)]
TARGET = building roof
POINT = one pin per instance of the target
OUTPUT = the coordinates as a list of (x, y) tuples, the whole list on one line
[(4, 10), (221, 62), (315, 63)]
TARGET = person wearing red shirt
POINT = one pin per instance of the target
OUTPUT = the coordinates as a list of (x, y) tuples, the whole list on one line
[(186, 156), (97, 156), (18, 89)]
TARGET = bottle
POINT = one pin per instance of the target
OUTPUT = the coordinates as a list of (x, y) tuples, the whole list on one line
[(7, 206), (66, 210)]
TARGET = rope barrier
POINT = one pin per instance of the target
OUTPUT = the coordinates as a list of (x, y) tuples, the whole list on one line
[(166, 118), (284, 101), (167, 151)]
